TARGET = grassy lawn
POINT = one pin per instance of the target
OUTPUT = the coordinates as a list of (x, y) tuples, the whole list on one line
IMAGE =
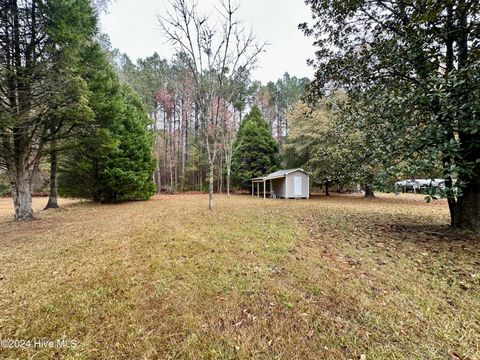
[(325, 278)]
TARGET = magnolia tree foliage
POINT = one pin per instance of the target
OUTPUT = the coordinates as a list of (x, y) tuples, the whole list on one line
[(316, 145), (412, 73), (319, 142)]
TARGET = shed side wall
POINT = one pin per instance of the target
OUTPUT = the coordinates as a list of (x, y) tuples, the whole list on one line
[(291, 184)]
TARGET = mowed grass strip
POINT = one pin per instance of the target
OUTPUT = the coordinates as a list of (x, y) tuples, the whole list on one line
[(327, 278)]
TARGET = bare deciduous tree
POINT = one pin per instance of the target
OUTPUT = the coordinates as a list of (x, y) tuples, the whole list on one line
[(217, 54)]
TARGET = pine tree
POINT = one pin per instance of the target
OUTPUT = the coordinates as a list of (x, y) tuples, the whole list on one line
[(128, 171), (113, 161), (256, 151)]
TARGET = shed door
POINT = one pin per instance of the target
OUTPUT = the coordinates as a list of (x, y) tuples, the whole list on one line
[(297, 186)]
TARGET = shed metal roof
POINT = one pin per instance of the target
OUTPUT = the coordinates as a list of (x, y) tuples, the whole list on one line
[(278, 174)]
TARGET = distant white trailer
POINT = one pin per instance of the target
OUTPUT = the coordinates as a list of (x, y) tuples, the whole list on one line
[(418, 185), (288, 184)]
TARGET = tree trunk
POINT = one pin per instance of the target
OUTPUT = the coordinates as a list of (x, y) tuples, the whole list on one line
[(210, 184), (18, 91), (220, 174), (228, 180), (21, 177), (184, 138), (158, 178), (53, 195), (170, 161), (465, 213), (327, 193), (22, 196), (369, 191), (279, 126)]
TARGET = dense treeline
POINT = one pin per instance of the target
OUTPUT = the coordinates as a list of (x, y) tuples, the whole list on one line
[(166, 88), (395, 94), (64, 106)]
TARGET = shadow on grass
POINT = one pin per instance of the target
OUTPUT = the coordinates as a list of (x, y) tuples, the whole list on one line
[(424, 233)]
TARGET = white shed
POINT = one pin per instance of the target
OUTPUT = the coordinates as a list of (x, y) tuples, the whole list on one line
[(289, 184)]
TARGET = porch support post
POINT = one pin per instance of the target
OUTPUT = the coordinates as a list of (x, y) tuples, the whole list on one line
[(286, 187), (264, 188), (252, 188), (258, 189)]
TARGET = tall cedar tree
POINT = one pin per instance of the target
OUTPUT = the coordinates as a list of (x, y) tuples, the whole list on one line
[(113, 161), (256, 151), (38, 53)]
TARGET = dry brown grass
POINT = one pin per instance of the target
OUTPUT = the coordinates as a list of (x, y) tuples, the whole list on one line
[(327, 278)]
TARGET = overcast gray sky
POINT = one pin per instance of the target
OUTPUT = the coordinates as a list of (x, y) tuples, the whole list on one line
[(133, 28)]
